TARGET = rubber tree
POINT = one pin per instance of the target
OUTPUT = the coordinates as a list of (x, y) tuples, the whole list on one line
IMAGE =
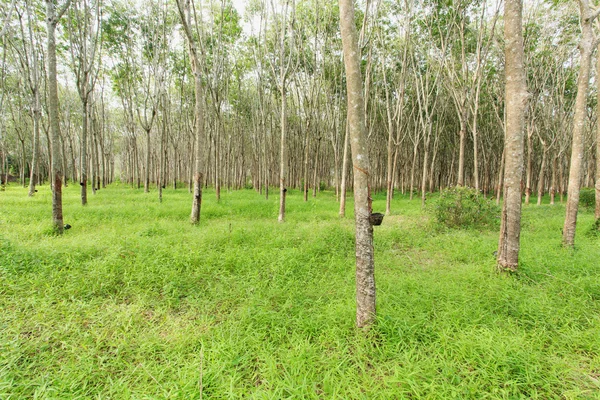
[(195, 57), (516, 100), (587, 45), (84, 36), (597, 211), (52, 18), (365, 262)]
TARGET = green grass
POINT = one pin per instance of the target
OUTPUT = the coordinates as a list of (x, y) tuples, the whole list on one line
[(134, 302)]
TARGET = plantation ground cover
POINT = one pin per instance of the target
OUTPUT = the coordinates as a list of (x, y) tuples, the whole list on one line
[(133, 302)]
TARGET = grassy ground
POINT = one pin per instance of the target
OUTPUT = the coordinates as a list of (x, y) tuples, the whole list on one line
[(133, 302)]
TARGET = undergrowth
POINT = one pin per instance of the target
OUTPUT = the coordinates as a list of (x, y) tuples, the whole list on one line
[(134, 302)]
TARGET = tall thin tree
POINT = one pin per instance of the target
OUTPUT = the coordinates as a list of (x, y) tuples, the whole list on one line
[(516, 99), (186, 20), (52, 18), (365, 263), (587, 45)]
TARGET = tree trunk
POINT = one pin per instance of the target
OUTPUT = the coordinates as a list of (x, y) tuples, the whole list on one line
[(365, 265), (553, 181), (597, 211), (461, 150), (316, 183), (529, 161), (51, 22), (516, 98), (83, 153), (186, 20), (282, 155), (586, 46), (342, 212), (541, 177), (147, 171), (36, 143)]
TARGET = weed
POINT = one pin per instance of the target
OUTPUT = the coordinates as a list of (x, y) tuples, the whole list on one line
[(463, 207)]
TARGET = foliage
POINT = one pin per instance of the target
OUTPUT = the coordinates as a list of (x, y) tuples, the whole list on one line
[(463, 207), (587, 198), (594, 230)]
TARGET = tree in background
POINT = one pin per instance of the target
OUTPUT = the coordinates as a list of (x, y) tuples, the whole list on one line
[(52, 18), (185, 12)]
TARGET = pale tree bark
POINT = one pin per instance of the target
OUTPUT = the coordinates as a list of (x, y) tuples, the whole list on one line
[(516, 98), (28, 56), (342, 212), (85, 39), (52, 18), (393, 145), (34, 85), (528, 169), (500, 177), (365, 265), (186, 20), (541, 174), (284, 68), (597, 211), (586, 47)]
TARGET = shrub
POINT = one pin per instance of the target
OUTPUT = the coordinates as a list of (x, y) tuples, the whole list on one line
[(587, 198), (462, 207), (594, 231)]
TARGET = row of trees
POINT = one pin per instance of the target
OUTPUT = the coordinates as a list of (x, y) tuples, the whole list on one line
[(199, 94)]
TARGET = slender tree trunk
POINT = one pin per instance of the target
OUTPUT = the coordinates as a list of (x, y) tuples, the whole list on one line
[(424, 175), (586, 46), (516, 98), (597, 211), (51, 22), (461, 151), (412, 171), (553, 181), (217, 157), (147, 172), (529, 161), (161, 167), (344, 173), (282, 155), (365, 263), (541, 177), (184, 12), (305, 186), (23, 164), (36, 144), (83, 153), (316, 183)]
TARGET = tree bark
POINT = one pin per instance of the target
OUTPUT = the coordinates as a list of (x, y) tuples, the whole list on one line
[(461, 152), (342, 212), (586, 48), (365, 265), (541, 176), (52, 19), (283, 156), (597, 211), (184, 13), (516, 98)]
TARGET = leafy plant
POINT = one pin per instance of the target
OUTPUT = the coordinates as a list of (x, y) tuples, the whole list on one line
[(462, 207), (587, 198)]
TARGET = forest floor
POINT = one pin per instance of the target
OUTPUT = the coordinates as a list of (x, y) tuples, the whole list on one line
[(134, 302)]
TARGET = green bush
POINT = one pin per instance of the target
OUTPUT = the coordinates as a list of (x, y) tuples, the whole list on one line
[(587, 198), (462, 207)]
